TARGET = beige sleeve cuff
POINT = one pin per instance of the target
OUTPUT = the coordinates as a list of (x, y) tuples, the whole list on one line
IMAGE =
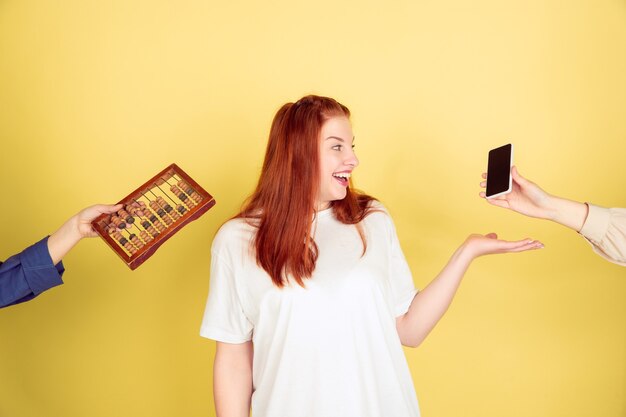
[(596, 224)]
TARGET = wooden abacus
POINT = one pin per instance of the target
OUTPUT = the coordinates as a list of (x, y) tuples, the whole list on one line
[(148, 219)]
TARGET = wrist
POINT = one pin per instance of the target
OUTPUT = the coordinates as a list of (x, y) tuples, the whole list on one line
[(568, 213), (64, 239), (552, 208), (73, 229), (465, 254), (69, 232)]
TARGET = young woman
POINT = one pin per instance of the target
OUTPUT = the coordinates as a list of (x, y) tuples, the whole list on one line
[(311, 297)]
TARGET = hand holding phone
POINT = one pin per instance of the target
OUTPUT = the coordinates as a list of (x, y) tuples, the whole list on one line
[(499, 180)]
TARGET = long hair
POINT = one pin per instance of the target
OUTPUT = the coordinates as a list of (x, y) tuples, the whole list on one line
[(283, 206)]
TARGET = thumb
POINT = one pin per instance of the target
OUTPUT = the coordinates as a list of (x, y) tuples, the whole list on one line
[(104, 208), (92, 212), (518, 177)]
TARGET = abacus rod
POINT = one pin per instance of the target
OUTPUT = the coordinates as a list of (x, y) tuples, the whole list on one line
[(171, 199)]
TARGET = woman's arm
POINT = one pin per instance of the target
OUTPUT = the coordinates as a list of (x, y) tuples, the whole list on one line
[(76, 228), (39, 267), (430, 304), (232, 379), (529, 199)]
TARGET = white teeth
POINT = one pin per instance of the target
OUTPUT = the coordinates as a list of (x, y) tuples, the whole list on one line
[(342, 175)]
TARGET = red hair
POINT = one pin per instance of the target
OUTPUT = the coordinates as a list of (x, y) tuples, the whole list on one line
[(284, 203)]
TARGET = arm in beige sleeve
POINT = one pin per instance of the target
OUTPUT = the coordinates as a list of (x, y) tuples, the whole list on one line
[(605, 229)]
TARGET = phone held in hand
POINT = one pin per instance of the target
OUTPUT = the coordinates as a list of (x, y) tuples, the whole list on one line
[(499, 180)]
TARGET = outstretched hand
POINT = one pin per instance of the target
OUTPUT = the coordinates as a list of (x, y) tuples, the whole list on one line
[(87, 215), (77, 227), (526, 197), (477, 245)]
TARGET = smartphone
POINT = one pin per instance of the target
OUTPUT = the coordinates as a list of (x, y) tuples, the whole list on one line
[(499, 180)]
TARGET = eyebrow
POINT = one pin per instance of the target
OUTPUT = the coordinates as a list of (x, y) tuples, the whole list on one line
[(339, 139)]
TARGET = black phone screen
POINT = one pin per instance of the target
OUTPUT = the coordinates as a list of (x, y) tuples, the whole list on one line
[(499, 170)]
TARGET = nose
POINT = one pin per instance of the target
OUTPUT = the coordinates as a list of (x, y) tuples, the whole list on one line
[(352, 160)]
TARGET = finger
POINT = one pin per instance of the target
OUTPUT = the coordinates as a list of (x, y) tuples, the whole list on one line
[(514, 245), (491, 235), (92, 212), (482, 194), (483, 184), (517, 177), (498, 202), (107, 208), (111, 209), (484, 175), (91, 233), (530, 246)]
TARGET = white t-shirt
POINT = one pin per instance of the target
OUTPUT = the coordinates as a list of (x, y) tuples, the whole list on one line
[(332, 348)]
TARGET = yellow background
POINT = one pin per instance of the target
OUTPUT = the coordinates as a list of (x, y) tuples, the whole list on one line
[(97, 97)]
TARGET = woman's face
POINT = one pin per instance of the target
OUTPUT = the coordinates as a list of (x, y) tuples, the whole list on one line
[(337, 160)]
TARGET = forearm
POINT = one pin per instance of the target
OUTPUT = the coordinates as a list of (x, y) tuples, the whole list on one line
[(63, 240), (430, 304), (566, 212), (232, 386)]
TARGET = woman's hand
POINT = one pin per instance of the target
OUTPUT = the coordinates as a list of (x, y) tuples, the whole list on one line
[(529, 199), (477, 245), (87, 215), (526, 197), (430, 304), (76, 228)]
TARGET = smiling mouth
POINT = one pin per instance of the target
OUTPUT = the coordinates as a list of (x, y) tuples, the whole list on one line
[(342, 178)]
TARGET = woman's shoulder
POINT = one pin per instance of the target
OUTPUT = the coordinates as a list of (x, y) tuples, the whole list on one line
[(234, 232), (377, 206), (377, 211)]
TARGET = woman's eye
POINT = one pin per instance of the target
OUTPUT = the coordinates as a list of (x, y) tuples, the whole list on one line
[(337, 147)]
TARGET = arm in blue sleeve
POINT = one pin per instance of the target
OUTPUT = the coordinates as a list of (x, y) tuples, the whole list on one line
[(25, 276)]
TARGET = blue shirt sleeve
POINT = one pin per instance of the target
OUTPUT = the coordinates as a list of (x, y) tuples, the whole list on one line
[(28, 274)]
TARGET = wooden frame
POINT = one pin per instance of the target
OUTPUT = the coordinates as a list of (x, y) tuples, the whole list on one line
[(158, 186)]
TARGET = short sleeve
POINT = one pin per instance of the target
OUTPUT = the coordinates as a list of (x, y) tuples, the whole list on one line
[(224, 319), (402, 285)]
